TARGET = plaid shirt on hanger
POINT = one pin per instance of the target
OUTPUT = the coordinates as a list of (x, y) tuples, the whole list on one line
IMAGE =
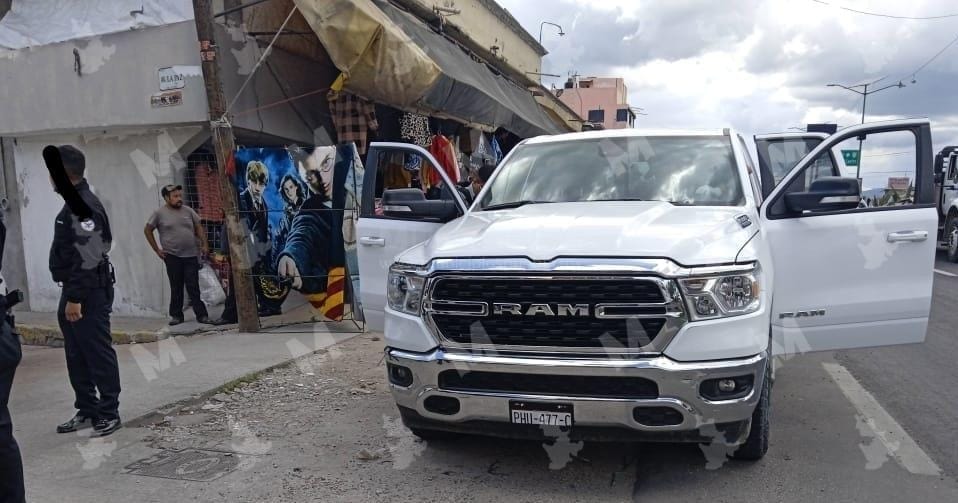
[(353, 118)]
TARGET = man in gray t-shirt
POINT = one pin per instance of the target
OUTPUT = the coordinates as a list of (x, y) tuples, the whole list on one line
[(182, 238)]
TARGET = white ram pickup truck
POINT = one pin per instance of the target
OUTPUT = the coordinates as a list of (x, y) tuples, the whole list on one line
[(632, 283)]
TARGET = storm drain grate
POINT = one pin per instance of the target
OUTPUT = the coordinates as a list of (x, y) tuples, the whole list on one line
[(188, 464)]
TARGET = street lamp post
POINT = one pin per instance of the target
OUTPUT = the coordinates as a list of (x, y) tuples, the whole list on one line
[(864, 94), (542, 24)]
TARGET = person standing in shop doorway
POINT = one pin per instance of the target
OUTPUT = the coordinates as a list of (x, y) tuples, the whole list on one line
[(182, 238)]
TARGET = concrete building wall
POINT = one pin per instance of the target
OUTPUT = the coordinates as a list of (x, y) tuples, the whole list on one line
[(130, 145), (41, 91), (485, 22), (606, 94), (125, 169)]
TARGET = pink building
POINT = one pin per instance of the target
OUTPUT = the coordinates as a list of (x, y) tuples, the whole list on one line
[(599, 100)]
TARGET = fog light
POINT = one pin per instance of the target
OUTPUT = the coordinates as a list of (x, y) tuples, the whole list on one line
[(705, 307), (727, 388), (726, 385), (399, 375)]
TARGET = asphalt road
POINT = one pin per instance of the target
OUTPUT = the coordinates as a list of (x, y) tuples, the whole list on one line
[(865, 425), (918, 383)]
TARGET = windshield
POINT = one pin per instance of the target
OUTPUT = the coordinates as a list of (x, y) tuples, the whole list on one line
[(688, 170)]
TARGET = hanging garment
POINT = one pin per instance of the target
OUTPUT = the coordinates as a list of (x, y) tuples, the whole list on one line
[(445, 153), (208, 194), (496, 150), (353, 117), (414, 128)]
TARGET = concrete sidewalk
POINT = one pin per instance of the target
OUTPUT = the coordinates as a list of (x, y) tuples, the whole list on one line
[(153, 376), (42, 329)]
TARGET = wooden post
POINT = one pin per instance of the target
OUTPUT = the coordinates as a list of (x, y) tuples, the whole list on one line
[(225, 144)]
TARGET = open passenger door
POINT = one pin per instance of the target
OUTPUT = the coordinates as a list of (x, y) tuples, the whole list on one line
[(854, 267), (407, 196)]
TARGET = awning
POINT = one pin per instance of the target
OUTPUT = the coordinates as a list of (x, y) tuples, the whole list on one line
[(392, 57)]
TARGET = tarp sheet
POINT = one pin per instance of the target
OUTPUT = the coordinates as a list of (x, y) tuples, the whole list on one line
[(394, 58), (31, 23)]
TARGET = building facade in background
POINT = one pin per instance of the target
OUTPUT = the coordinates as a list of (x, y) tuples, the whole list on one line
[(601, 101), (125, 86)]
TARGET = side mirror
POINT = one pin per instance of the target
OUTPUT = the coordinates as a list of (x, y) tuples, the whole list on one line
[(939, 178), (411, 204), (828, 193)]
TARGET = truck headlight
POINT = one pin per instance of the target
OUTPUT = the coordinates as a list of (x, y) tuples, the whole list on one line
[(404, 288), (722, 295)]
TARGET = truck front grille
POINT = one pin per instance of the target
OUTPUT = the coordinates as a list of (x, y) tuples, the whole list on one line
[(622, 314), (633, 388), (559, 332)]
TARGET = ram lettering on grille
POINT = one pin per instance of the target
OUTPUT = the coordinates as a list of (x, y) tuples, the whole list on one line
[(502, 308)]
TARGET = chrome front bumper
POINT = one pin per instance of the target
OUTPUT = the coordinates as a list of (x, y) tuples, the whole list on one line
[(678, 388)]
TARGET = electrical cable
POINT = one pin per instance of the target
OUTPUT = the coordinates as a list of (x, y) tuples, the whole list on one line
[(890, 16), (939, 53), (260, 61)]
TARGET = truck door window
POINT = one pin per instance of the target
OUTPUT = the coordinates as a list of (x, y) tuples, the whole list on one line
[(886, 165), (400, 169)]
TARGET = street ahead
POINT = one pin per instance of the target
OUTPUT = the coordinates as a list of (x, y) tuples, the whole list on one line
[(868, 425)]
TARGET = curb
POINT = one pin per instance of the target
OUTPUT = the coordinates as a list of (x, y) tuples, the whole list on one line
[(36, 335)]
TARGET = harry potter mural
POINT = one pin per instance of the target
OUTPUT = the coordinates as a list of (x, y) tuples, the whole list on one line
[(300, 206)]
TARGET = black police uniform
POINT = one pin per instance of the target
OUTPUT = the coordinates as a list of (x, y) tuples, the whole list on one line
[(11, 466), (79, 261)]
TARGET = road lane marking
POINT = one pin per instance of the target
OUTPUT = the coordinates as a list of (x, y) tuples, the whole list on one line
[(946, 273), (898, 443)]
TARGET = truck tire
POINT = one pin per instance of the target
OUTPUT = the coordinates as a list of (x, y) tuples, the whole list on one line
[(756, 445), (951, 237)]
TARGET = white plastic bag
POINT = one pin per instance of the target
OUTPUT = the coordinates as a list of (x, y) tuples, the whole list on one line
[(211, 291)]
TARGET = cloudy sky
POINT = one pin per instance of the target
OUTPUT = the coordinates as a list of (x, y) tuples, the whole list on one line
[(759, 66)]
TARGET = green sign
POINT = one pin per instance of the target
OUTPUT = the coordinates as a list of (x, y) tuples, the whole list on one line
[(851, 157)]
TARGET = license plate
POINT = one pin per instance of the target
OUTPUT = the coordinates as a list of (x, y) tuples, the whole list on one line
[(545, 414)]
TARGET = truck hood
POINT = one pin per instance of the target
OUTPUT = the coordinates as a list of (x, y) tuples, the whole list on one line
[(688, 235)]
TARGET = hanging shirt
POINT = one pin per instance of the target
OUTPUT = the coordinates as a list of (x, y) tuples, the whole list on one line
[(414, 128), (353, 118)]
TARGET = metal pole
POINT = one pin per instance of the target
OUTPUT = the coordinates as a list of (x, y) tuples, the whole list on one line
[(858, 170), (224, 143)]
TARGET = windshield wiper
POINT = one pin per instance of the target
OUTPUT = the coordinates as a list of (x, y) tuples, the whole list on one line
[(511, 205)]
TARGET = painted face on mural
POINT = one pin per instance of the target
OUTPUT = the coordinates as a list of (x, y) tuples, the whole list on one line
[(292, 195), (256, 188), (319, 173)]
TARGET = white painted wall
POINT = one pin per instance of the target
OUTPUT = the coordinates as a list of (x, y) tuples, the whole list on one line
[(126, 170)]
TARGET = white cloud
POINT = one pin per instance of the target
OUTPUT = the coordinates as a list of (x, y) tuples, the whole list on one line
[(758, 66)]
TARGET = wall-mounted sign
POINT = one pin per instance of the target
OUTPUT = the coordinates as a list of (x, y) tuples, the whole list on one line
[(170, 79), (167, 99), (174, 77)]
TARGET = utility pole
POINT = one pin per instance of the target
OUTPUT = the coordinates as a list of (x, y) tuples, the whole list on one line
[(864, 94), (224, 144)]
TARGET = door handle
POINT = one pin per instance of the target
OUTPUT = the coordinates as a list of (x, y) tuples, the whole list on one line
[(908, 237), (372, 241)]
